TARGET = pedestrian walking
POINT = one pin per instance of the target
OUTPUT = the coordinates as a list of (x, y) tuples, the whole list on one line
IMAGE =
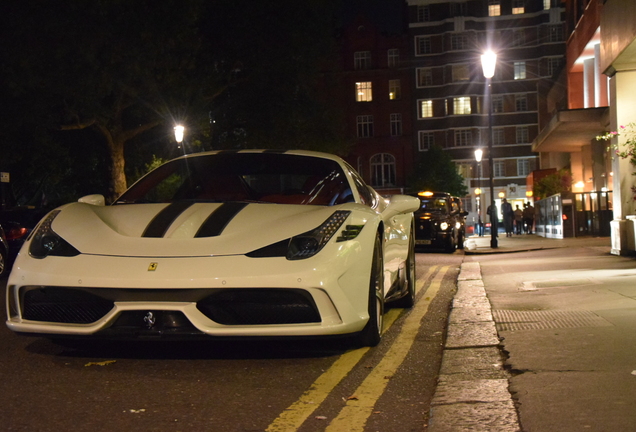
[(508, 217), (518, 220), (528, 218)]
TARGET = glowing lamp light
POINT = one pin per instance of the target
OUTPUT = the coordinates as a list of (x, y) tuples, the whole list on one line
[(425, 194), (478, 154), (178, 133), (488, 62), (502, 194), (477, 191)]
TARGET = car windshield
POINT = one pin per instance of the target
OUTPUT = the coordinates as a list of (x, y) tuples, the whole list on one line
[(434, 205), (256, 177)]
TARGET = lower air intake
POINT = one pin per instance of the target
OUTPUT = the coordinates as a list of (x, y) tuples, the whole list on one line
[(64, 305), (259, 307)]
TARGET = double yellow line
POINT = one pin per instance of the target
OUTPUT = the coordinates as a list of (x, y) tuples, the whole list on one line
[(355, 413)]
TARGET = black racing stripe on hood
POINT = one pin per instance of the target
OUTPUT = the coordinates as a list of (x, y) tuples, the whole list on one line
[(219, 219), (162, 221)]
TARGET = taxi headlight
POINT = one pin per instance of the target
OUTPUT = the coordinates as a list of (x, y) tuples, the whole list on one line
[(444, 226)]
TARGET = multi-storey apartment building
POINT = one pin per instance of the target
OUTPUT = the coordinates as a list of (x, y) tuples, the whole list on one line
[(376, 81), (447, 40)]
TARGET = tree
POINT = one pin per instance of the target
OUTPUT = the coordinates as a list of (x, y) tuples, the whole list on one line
[(436, 171), (553, 184), (117, 67)]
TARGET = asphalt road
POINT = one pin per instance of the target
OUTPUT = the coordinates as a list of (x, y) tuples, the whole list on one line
[(236, 386)]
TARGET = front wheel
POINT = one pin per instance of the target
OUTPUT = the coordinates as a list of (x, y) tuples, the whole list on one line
[(372, 331), (409, 298)]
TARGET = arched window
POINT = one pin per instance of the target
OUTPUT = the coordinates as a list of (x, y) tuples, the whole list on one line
[(383, 170)]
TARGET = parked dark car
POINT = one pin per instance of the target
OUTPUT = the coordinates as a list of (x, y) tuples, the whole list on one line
[(440, 221), (18, 223)]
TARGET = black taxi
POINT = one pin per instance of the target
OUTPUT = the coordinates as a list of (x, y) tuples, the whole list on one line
[(440, 221)]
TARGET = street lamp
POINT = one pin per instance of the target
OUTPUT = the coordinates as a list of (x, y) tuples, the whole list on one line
[(478, 154), (488, 63), (178, 133)]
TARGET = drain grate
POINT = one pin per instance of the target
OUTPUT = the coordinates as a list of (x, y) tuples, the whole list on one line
[(546, 319)]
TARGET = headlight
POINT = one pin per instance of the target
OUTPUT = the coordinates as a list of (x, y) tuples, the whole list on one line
[(310, 243), (46, 242), (444, 226)]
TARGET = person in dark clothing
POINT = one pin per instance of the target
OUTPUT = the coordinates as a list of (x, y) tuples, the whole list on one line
[(508, 217)]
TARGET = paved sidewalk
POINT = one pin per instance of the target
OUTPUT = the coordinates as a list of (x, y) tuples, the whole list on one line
[(473, 390), (525, 242)]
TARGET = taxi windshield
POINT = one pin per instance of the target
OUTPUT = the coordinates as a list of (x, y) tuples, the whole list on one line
[(434, 205)]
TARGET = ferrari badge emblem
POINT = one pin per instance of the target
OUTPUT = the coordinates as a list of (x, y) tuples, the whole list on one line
[(153, 266), (150, 319)]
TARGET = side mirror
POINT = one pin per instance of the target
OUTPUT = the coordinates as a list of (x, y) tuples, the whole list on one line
[(95, 199), (401, 204)]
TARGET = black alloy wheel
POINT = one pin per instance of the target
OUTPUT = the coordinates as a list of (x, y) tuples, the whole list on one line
[(409, 299), (372, 331)]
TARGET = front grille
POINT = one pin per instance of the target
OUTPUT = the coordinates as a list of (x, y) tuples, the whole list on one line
[(64, 305), (260, 306), (423, 229)]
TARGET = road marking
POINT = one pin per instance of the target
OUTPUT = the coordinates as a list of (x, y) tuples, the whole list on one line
[(296, 414), (356, 412)]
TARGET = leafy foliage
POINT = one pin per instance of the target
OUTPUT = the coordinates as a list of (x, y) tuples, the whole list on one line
[(553, 184), (436, 171)]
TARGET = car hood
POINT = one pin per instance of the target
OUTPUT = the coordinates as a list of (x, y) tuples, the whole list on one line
[(183, 230)]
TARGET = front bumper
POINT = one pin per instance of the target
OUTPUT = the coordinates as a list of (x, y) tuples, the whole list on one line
[(216, 296)]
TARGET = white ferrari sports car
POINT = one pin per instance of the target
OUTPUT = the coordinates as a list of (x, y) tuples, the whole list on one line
[(220, 244)]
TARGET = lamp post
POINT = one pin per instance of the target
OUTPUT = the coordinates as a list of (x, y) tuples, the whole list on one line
[(478, 154), (488, 62)]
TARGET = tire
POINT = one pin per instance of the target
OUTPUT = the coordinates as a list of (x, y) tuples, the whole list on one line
[(372, 332), (409, 299)]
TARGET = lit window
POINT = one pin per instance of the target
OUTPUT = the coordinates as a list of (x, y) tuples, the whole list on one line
[(461, 73), (365, 126), (362, 60), (424, 77), (364, 92), (463, 137), (396, 124), (521, 102), (520, 70), (518, 7), (395, 91), (383, 170), (461, 105), (523, 136), (426, 108), (494, 8), (393, 57), (423, 45), (426, 140)]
